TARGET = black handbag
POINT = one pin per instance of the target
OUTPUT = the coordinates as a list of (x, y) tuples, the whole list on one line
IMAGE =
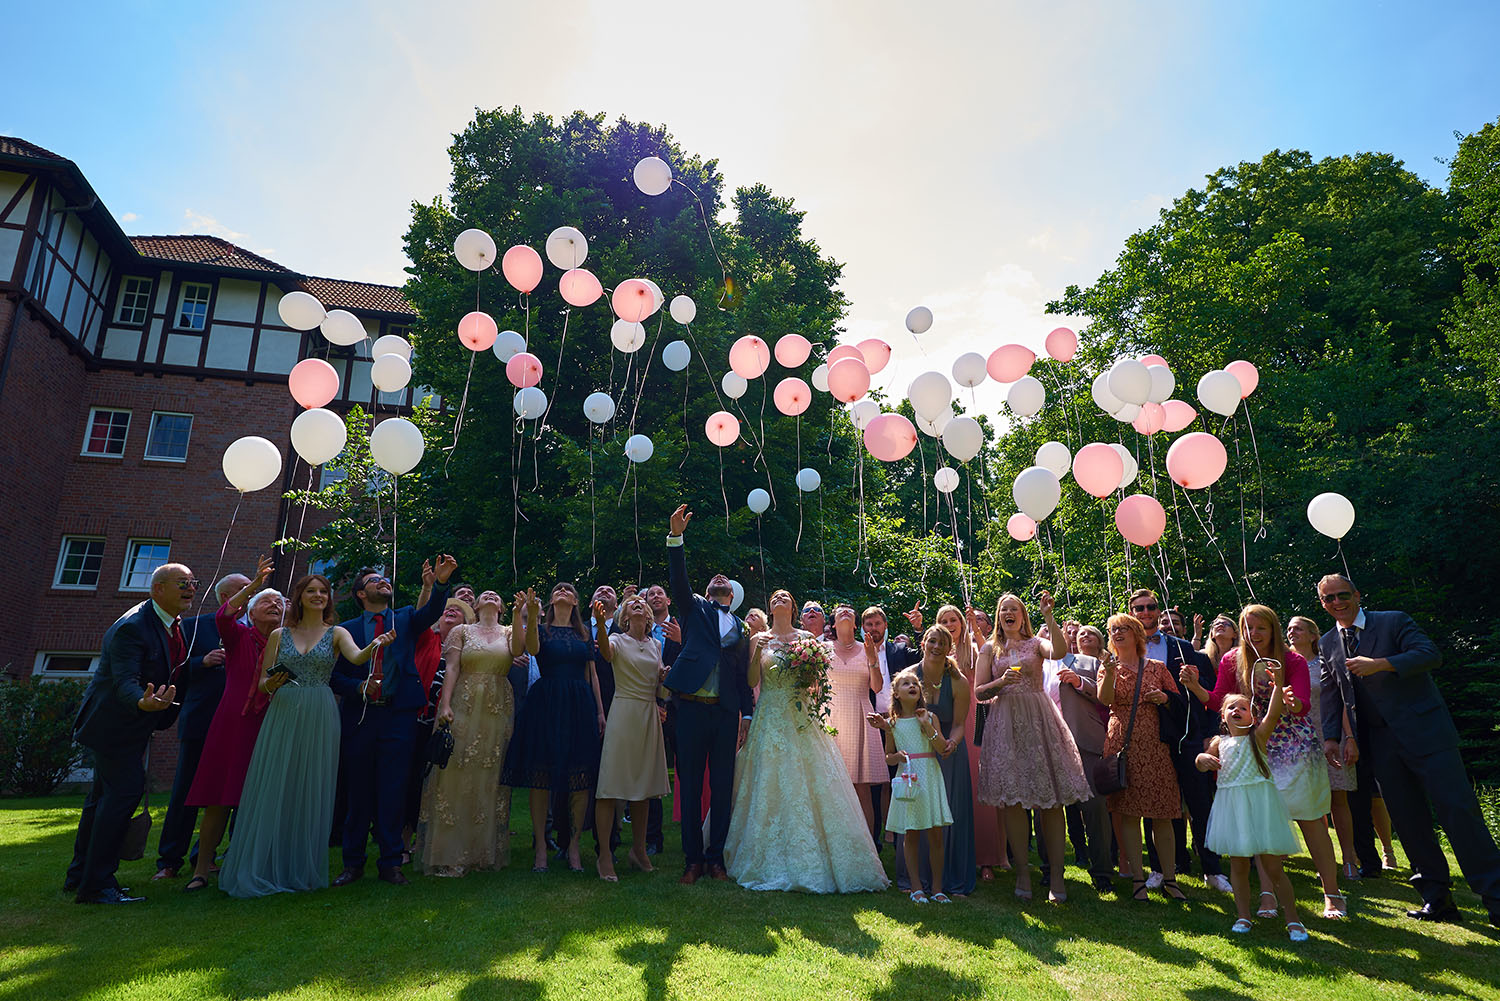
[(138, 831), (1110, 774), (981, 713), (439, 747)]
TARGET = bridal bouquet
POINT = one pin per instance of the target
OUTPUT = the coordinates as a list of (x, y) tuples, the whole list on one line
[(807, 660)]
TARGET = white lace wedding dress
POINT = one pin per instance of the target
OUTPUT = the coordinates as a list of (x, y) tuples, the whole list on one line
[(796, 824)]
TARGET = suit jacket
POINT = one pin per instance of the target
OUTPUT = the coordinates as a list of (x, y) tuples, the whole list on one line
[(205, 683), (702, 644), (1406, 698), (1185, 722), (134, 655), (403, 683), (1086, 717), (897, 658)]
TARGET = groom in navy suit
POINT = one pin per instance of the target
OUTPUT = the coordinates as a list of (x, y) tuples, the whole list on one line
[(713, 703)]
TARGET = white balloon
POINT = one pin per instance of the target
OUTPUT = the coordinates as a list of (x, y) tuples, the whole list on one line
[(945, 479), (820, 378), (933, 428), (318, 435), (390, 373), (652, 175), (930, 393), (475, 249), (1129, 381), (342, 327), (758, 501), (1132, 468), (1331, 514), (676, 355), (627, 336), (251, 463), (1036, 492), (683, 309), (1054, 455), (396, 445), (1103, 398), (1162, 383), (808, 479), (734, 385), (598, 407), (1127, 413), (300, 311), (1219, 391), (567, 248), (738, 595), (529, 403), (969, 369), (1026, 396), (863, 412), (919, 320), (509, 344), (390, 344), (638, 448), (963, 438)]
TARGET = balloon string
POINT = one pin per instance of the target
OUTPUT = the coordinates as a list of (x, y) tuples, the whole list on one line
[(395, 505), (822, 548), (723, 491), (760, 445), (687, 437), (557, 384), (724, 273), (301, 523), (1062, 548), (593, 510), (526, 307), (958, 550), (1109, 583), (760, 543), (515, 498), (645, 371), (640, 561), (1343, 560), (1240, 487), (1207, 530), (458, 421), (1260, 476), (712, 382), (797, 547), (1187, 570), (233, 517)]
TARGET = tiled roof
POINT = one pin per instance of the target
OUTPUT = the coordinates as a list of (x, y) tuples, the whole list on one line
[(10, 146), (209, 250), (337, 294)]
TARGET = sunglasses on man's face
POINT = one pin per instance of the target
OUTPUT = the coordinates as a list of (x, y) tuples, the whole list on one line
[(1144, 608), (187, 584), (1333, 596)]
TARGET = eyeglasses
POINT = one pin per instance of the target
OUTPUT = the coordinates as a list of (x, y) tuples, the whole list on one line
[(374, 578), (1144, 608), (188, 584), (1333, 596)]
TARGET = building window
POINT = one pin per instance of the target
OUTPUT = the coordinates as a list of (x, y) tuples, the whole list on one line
[(135, 301), (64, 664), (141, 559), (331, 475), (192, 313), (106, 432), (78, 563), (169, 436)]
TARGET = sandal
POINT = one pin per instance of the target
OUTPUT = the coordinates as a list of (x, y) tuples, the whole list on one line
[(1296, 931), (1264, 911), (1390, 860), (196, 883), (1351, 871), (918, 897), (1172, 891), (986, 874), (1022, 894), (1241, 927), (1335, 906), (940, 898), (1138, 890)]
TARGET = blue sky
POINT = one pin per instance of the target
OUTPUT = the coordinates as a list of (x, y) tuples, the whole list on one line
[(974, 156)]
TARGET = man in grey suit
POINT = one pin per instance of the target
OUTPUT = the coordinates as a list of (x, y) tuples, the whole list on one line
[(1377, 666), (1088, 719)]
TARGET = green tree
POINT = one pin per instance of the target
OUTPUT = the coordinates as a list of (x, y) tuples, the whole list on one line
[(1474, 191)]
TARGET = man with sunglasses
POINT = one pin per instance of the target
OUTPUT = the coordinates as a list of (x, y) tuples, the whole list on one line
[(1377, 667)]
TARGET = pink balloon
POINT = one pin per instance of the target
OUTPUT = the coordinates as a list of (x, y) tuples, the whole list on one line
[(522, 267), (524, 369), (1141, 519), (632, 300), (1010, 362), (579, 287), (890, 437), (1062, 344), (843, 351), (1177, 415), (1247, 375), (792, 396), (722, 428), (749, 357), (1154, 360), (1196, 460), (478, 331), (792, 350), (1019, 525), (1151, 419), (313, 382), (877, 353), (848, 379), (1098, 469)]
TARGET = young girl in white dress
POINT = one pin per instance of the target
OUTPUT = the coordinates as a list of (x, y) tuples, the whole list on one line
[(910, 735), (1249, 821)]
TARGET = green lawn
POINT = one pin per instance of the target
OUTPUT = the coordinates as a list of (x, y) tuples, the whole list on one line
[(517, 935)]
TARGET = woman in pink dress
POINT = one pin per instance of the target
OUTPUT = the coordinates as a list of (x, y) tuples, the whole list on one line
[(852, 680), (989, 835)]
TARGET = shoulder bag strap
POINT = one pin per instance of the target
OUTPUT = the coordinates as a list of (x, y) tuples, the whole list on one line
[(1140, 675)]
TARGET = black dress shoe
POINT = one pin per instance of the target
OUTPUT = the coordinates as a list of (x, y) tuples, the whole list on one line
[(109, 895), (1375, 873), (393, 876), (1103, 884), (1442, 910), (348, 876)]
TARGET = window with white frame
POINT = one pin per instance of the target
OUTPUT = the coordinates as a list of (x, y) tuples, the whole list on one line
[(142, 557), (169, 435), (106, 432), (64, 663), (192, 309), (78, 562), (135, 301), (331, 474)]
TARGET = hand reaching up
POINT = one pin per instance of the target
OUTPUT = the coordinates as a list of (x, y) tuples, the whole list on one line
[(679, 520)]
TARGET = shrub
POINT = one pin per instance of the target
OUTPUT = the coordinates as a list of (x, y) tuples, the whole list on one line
[(37, 751)]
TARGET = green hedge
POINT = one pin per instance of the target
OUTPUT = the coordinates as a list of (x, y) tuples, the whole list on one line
[(37, 751)]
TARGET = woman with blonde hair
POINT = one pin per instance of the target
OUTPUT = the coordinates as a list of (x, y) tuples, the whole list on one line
[(1223, 636), (989, 833), (852, 680)]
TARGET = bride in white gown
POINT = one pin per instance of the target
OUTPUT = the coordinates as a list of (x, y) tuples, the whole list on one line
[(796, 822)]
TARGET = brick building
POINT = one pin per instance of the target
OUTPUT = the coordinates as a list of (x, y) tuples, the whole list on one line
[(127, 365)]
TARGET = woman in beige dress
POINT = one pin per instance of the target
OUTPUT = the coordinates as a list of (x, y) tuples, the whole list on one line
[(852, 680)]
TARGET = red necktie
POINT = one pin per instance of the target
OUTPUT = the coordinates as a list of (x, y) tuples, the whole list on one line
[(176, 650), (377, 627)]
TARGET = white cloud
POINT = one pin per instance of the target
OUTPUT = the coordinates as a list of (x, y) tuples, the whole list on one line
[(128, 217)]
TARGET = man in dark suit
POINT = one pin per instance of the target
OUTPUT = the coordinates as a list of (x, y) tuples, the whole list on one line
[(1087, 720), (205, 674), (378, 707), (713, 704), (1377, 667), (668, 632), (129, 699)]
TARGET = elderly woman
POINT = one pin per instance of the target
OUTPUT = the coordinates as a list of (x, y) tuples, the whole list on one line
[(231, 736), (814, 619), (428, 656), (852, 681), (1152, 790)]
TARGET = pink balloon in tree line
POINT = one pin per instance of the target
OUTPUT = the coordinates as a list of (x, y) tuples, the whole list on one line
[(522, 267), (580, 288), (1062, 344), (1141, 519), (1246, 373), (890, 437), (848, 379), (478, 331), (877, 353), (1009, 362), (722, 428), (1151, 419), (792, 350), (1177, 415), (524, 369), (843, 351), (1020, 526), (793, 396), (749, 357), (1154, 360), (1098, 469), (632, 300), (1196, 460), (313, 382)]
